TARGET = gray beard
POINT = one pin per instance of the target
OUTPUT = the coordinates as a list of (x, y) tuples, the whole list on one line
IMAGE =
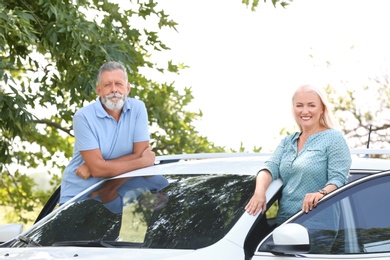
[(106, 101)]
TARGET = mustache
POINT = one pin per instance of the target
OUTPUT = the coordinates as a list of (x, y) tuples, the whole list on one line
[(114, 95)]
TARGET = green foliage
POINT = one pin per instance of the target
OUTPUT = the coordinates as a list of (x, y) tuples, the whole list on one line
[(255, 3), (242, 149), (14, 120), (50, 52), (17, 192)]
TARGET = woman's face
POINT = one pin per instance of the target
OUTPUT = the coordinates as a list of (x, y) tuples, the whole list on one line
[(308, 108)]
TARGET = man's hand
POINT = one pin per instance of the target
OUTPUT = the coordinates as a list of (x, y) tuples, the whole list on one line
[(83, 172), (148, 156), (98, 167), (109, 191)]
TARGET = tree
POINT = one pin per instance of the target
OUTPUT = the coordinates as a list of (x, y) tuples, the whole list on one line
[(363, 113), (50, 53)]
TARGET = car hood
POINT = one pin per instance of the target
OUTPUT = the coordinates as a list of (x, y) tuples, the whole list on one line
[(223, 249), (90, 253)]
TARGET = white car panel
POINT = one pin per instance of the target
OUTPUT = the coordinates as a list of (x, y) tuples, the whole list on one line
[(231, 246)]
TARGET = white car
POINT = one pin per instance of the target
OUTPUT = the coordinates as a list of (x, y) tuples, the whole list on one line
[(193, 208)]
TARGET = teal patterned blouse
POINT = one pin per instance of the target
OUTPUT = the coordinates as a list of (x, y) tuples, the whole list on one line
[(324, 159)]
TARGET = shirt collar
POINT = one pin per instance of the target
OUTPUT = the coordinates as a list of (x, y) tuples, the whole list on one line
[(296, 136)]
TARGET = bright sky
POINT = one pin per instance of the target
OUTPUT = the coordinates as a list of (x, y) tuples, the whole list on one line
[(244, 65)]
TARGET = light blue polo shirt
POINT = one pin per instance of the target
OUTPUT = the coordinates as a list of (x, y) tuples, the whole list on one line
[(324, 159), (94, 128)]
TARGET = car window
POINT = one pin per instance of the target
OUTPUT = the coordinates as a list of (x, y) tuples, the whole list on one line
[(201, 210), (355, 221), (192, 211)]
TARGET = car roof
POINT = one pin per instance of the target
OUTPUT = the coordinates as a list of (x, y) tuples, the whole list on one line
[(364, 163), (242, 164), (238, 163)]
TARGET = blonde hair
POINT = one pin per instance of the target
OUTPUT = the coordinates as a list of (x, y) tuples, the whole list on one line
[(326, 119)]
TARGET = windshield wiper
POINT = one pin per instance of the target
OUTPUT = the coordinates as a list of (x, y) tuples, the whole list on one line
[(99, 243), (28, 241)]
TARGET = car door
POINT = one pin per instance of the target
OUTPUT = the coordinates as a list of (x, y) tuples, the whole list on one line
[(352, 222)]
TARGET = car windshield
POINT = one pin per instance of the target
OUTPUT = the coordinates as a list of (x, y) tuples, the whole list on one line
[(175, 211)]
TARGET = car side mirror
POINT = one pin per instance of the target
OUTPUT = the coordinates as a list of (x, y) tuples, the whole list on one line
[(10, 231), (290, 238)]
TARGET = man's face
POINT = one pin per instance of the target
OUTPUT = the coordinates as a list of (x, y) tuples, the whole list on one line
[(113, 89)]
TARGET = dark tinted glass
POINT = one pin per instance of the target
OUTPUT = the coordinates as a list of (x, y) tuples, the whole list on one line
[(191, 211), (355, 221)]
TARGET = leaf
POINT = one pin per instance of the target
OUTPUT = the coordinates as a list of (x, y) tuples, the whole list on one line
[(52, 51)]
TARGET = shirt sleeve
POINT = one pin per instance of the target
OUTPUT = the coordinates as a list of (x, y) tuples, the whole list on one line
[(273, 163), (339, 160)]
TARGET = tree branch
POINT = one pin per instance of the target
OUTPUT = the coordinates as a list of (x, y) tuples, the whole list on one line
[(52, 124)]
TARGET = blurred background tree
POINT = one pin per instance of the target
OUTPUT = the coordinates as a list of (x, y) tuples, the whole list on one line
[(363, 112), (50, 54)]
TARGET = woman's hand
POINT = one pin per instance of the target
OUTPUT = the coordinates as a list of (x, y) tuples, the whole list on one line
[(310, 201), (256, 203), (259, 201)]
